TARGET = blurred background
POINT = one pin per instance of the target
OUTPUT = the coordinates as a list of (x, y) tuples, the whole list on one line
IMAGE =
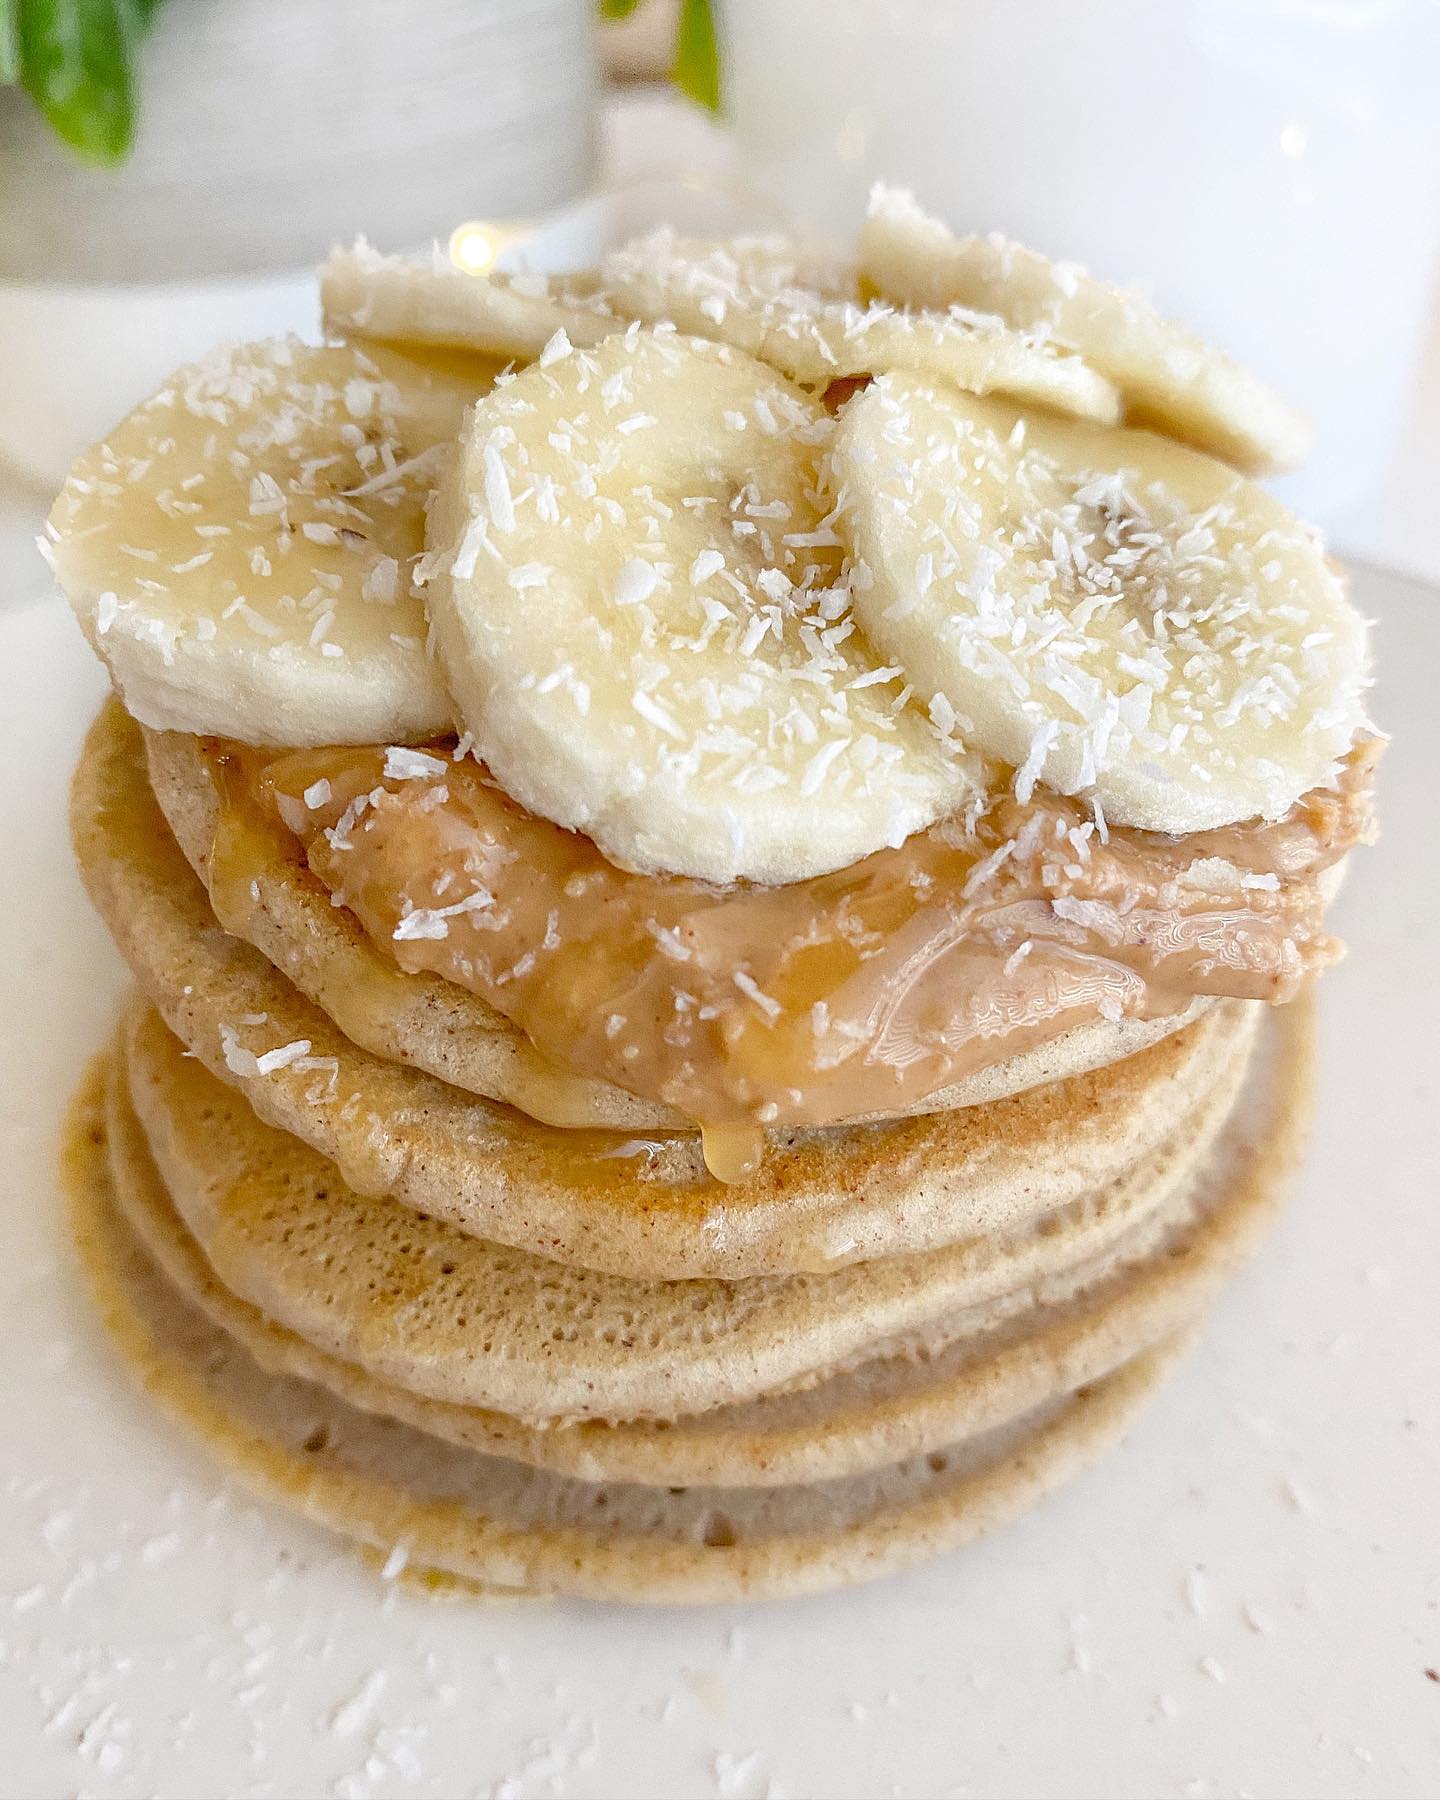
[(170, 171)]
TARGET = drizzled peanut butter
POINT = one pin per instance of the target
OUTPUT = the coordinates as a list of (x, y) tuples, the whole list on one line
[(854, 993)]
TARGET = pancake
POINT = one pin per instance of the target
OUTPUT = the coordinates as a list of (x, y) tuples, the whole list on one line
[(642, 1207), (879, 1412), (497, 1522), (434, 1025), (467, 1322)]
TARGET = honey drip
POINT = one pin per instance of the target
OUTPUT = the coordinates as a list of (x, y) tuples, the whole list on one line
[(243, 838), (732, 1152)]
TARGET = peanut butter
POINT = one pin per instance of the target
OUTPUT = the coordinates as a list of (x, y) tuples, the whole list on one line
[(855, 993)]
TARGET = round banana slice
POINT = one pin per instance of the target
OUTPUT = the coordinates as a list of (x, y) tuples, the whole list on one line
[(405, 300), (1170, 378), (800, 314), (636, 595), (1105, 609), (239, 550)]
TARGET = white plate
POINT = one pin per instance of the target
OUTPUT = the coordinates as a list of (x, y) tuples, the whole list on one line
[(1244, 1599)]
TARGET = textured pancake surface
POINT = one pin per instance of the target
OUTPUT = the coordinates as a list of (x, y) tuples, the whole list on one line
[(892, 1406), (473, 1323), (437, 1026), (500, 1523), (643, 1207)]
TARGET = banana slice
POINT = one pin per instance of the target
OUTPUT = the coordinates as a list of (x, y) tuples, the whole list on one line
[(239, 550), (800, 314), (1106, 609), (636, 595), (1170, 378), (405, 300)]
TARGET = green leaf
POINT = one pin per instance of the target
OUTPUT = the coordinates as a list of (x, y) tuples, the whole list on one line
[(75, 62), (697, 62), (9, 42), (617, 9)]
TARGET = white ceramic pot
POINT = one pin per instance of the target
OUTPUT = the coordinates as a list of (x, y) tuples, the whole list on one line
[(1269, 168), (267, 132)]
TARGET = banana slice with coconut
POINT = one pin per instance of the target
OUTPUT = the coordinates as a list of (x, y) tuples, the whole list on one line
[(784, 305), (1107, 610), (239, 550), (412, 301), (799, 313), (636, 591), (1169, 377)]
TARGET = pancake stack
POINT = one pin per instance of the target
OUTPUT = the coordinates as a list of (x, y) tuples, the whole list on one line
[(497, 1318), (649, 1386)]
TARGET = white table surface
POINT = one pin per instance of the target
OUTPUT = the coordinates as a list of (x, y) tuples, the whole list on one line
[(1243, 1600)]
